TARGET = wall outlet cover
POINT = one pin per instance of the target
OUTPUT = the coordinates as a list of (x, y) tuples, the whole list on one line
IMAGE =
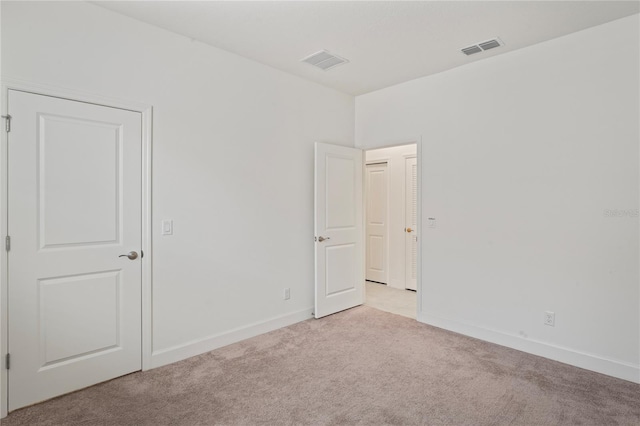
[(550, 318)]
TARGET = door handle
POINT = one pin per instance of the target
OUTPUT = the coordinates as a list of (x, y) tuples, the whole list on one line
[(321, 239), (132, 255), (408, 229)]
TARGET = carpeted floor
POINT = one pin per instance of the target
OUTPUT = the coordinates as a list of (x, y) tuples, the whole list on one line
[(361, 366)]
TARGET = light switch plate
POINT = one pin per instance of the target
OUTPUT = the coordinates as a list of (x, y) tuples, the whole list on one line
[(167, 227)]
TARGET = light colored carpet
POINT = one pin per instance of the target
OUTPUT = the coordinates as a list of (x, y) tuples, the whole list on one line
[(361, 366), (389, 299)]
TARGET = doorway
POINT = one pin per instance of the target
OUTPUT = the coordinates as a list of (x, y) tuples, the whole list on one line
[(391, 222)]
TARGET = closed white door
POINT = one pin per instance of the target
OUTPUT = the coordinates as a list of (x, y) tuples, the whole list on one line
[(377, 202), (339, 282), (411, 223), (74, 207)]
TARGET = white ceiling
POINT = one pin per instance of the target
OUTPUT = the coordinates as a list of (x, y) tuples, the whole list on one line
[(386, 42)]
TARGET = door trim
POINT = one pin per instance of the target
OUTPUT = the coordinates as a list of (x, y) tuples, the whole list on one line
[(147, 114)]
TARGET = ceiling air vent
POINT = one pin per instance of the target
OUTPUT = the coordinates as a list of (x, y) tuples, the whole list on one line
[(324, 60), (489, 44), (480, 47), (471, 50)]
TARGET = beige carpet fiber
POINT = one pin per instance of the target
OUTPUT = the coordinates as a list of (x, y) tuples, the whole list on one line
[(361, 366)]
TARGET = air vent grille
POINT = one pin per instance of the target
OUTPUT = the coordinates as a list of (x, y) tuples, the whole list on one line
[(471, 50), (489, 44), (324, 60), (480, 47)]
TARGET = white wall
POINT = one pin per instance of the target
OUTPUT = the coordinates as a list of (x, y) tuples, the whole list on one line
[(396, 158), (232, 163), (523, 154)]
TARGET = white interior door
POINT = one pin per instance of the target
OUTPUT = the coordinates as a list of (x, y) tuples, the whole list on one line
[(74, 206), (339, 245), (411, 223), (377, 199)]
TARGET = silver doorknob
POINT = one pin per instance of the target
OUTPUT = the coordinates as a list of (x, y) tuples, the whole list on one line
[(321, 239), (132, 255)]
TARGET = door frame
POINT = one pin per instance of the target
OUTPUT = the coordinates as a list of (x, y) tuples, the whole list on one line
[(417, 140), (146, 112)]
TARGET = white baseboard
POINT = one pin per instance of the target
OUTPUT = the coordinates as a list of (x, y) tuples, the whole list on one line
[(610, 367), (200, 346)]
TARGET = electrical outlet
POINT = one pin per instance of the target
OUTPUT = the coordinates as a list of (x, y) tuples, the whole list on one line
[(287, 294), (550, 318)]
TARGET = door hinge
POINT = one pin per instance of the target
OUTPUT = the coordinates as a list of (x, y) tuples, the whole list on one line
[(7, 126), (7, 361), (7, 243)]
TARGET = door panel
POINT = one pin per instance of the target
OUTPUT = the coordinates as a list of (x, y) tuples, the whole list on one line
[(376, 222), (340, 192), (70, 211), (339, 282), (74, 199), (411, 223), (341, 270)]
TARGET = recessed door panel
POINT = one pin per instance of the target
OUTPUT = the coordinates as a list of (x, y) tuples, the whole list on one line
[(79, 316), (71, 210), (375, 255), (341, 268), (377, 195), (340, 188)]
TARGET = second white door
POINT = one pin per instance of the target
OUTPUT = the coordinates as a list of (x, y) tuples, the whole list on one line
[(377, 212)]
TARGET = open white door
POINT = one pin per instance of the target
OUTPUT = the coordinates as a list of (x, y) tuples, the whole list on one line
[(339, 246)]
